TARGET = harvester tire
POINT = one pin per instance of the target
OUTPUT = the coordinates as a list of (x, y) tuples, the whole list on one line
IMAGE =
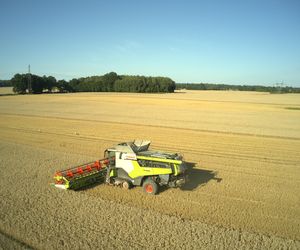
[(150, 186), (126, 185)]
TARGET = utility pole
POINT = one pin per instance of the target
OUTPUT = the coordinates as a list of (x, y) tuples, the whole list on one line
[(279, 86), (29, 80)]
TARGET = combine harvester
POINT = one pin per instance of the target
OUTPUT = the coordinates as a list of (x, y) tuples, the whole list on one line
[(127, 164)]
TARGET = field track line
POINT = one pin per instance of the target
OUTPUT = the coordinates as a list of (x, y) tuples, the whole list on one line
[(229, 155), (196, 100), (156, 126), (234, 198), (22, 244), (181, 149)]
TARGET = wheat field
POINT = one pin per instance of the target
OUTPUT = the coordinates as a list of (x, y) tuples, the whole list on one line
[(242, 193)]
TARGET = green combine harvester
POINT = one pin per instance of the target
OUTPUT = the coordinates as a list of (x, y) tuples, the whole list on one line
[(128, 164)]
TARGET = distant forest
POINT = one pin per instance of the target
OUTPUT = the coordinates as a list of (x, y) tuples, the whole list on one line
[(5, 83), (259, 88), (110, 82)]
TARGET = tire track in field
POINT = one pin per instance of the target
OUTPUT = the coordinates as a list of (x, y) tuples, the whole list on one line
[(203, 152), (156, 126), (195, 152), (180, 149), (193, 100), (13, 242), (220, 154), (241, 146), (230, 155), (232, 199), (200, 193), (163, 146)]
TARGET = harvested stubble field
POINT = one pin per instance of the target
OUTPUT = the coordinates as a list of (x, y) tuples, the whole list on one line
[(6, 91), (243, 191)]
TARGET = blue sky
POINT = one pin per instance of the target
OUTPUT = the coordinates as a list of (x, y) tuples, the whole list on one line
[(231, 42)]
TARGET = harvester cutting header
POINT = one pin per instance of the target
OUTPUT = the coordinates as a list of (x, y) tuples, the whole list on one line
[(127, 164)]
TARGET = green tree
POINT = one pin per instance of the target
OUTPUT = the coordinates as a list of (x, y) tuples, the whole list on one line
[(49, 82), (20, 83), (74, 85), (5, 83), (37, 84), (109, 80), (63, 86)]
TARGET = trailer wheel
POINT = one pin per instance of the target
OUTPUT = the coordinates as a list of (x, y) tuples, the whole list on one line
[(150, 186)]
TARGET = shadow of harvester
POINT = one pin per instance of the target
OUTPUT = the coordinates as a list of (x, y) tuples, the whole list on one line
[(198, 177)]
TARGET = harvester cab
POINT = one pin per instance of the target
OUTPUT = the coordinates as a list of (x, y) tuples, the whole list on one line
[(130, 164)]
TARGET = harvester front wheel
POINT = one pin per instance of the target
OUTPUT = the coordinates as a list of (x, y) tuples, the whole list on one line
[(150, 186), (126, 185)]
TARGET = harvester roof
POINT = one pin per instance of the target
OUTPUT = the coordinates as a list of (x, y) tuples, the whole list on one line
[(131, 147)]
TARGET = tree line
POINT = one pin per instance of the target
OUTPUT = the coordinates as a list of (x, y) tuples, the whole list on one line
[(259, 88), (5, 83), (110, 82)]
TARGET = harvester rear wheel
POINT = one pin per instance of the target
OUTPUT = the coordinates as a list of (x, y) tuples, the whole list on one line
[(150, 186)]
